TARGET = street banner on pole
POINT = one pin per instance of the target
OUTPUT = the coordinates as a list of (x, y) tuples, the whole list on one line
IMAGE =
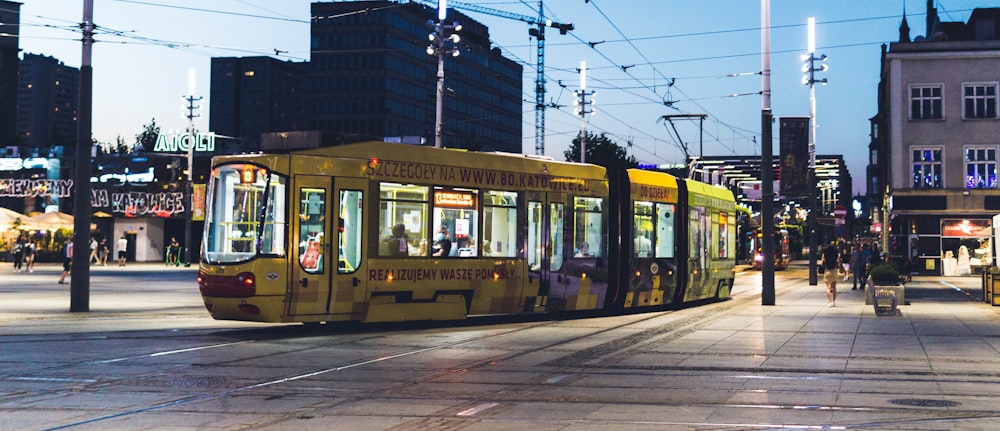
[(793, 143)]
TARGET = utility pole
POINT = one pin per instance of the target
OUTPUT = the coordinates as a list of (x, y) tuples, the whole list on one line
[(766, 166), (80, 281), (810, 80), (581, 109), (437, 47), (538, 32), (192, 138)]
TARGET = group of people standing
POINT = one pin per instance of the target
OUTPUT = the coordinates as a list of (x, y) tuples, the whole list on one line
[(99, 252), (855, 260)]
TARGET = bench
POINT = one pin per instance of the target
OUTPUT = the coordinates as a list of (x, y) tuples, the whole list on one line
[(885, 302)]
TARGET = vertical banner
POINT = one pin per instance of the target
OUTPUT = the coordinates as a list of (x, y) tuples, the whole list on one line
[(197, 202), (793, 141)]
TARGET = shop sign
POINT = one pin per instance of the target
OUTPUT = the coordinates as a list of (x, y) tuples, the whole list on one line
[(180, 142), (965, 228)]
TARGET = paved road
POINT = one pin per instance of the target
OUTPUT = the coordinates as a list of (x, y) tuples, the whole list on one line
[(148, 357)]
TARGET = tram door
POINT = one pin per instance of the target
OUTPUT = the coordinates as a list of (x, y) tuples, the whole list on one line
[(546, 249), (328, 259), (309, 289), (349, 230)]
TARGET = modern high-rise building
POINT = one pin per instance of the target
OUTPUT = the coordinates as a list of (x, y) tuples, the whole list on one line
[(10, 18), (48, 96), (372, 77), (254, 95)]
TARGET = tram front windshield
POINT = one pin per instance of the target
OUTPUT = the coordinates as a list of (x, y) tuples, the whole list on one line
[(245, 214)]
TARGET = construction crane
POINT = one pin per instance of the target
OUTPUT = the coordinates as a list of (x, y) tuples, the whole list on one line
[(538, 32)]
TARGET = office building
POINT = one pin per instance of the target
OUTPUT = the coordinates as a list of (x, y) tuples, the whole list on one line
[(48, 97), (254, 95), (10, 17)]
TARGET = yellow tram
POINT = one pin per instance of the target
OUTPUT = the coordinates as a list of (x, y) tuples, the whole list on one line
[(377, 232)]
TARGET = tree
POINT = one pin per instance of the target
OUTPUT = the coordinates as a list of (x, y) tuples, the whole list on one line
[(601, 151), (120, 145), (146, 140)]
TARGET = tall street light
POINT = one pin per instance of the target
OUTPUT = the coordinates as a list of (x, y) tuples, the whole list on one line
[(191, 107), (437, 47), (581, 109), (766, 160), (809, 79)]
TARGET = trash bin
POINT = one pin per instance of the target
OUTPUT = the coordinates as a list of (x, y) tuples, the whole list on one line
[(993, 296), (987, 284)]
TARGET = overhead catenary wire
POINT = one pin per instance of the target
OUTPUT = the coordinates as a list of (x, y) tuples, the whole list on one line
[(608, 83)]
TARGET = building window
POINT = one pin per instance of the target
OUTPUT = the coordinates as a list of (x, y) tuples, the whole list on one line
[(980, 100), (925, 102), (980, 168), (927, 168)]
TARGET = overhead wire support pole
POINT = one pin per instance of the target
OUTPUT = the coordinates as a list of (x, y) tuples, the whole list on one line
[(766, 162), (192, 138), (80, 280), (581, 109)]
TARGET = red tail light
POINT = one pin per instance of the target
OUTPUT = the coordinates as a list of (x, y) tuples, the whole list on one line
[(242, 285)]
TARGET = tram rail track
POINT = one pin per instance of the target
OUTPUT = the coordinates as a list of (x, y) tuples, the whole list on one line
[(493, 374)]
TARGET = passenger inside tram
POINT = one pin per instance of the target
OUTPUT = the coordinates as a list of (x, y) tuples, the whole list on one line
[(399, 244), (442, 245)]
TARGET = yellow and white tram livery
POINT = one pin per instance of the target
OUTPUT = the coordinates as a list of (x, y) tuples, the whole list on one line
[(377, 232)]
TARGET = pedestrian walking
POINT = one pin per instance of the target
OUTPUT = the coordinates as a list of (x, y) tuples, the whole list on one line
[(93, 251), (103, 251), (831, 264), (29, 256), (122, 247), (845, 261), (19, 252), (858, 266), (67, 253)]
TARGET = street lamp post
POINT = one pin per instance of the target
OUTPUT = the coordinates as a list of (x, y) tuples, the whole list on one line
[(581, 109), (191, 107), (437, 47), (767, 294), (810, 80)]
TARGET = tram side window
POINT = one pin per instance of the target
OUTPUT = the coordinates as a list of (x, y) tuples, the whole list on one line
[(403, 212), (499, 224), (700, 231), (312, 217), (349, 231), (723, 235), (665, 234), (644, 228), (556, 219), (589, 222), (534, 245), (456, 223), (273, 239)]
